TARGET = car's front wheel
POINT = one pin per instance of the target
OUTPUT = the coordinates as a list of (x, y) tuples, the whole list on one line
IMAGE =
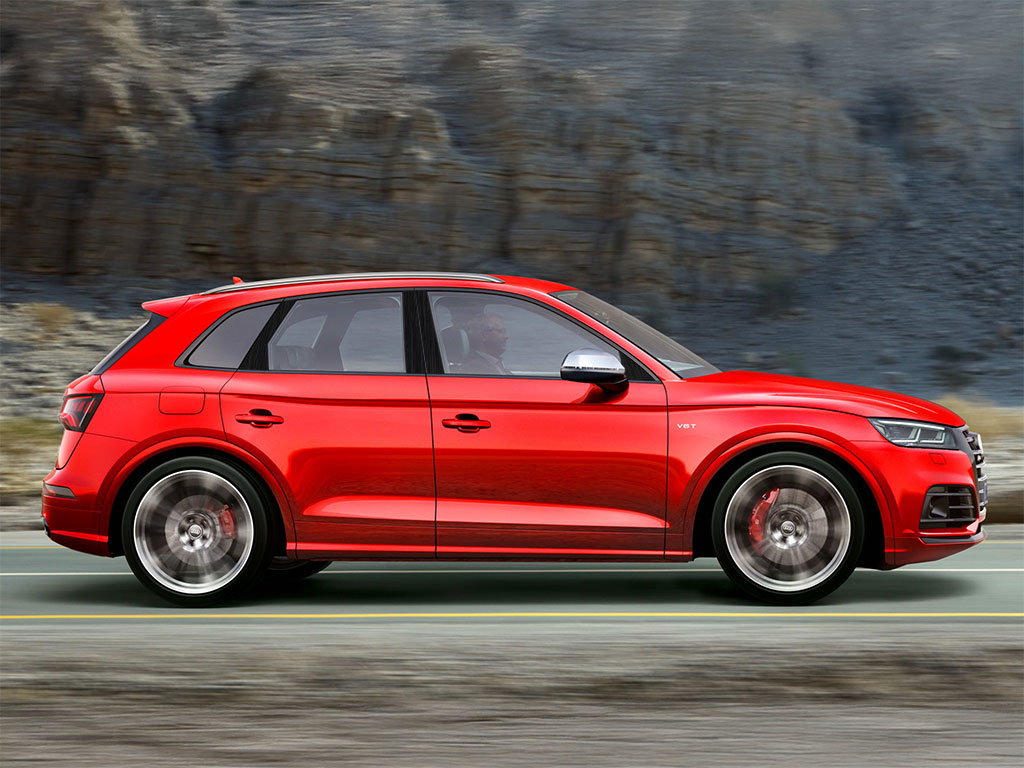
[(195, 531), (788, 528)]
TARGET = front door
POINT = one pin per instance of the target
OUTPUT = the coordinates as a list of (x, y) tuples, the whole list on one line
[(528, 464), (334, 410)]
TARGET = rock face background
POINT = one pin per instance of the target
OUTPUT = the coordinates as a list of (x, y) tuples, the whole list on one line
[(824, 188), (673, 149)]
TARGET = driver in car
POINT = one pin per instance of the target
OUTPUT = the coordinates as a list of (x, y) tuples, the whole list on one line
[(487, 340)]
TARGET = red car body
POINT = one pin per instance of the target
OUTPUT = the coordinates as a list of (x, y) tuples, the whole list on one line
[(364, 466)]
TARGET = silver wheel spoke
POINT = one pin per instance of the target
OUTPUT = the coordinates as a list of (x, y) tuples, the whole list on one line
[(179, 532), (787, 528), (817, 529)]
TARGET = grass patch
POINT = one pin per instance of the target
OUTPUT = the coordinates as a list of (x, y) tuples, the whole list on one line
[(991, 421), (23, 435), (51, 319)]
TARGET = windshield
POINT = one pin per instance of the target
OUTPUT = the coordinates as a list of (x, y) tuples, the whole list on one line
[(668, 352)]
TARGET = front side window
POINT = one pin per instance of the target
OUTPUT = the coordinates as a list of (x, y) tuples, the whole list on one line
[(356, 333), (668, 352), (482, 335)]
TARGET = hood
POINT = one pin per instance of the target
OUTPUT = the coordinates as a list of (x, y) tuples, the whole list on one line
[(736, 388)]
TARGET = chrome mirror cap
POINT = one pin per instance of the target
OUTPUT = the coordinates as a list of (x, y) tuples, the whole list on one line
[(594, 366)]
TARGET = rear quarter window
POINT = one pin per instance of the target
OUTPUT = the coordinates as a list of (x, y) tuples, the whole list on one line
[(227, 343), (134, 338)]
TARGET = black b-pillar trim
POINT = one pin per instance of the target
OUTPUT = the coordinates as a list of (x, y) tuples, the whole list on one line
[(428, 335), (414, 357), (256, 359)]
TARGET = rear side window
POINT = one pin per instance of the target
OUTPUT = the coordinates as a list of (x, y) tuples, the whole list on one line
[(362, 333), (225, 346), (118, 352)]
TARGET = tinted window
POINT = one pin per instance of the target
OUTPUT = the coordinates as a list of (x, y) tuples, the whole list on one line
[(498, 336), (669, 352), (227, 343), (134, 338), (354, 333)]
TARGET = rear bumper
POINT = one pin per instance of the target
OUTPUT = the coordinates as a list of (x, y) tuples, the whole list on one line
[(73, 512), (74, 525)]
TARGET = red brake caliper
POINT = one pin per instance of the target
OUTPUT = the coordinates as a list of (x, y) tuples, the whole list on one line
[(757, 516), (226, 518)]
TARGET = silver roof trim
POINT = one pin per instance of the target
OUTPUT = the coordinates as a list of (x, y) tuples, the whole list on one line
[(354, 276)]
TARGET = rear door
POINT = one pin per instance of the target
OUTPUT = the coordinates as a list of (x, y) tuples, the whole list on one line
[(528, 464), (334, 400)]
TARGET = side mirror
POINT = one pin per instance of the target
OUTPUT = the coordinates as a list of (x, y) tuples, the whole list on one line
[(592, 366)]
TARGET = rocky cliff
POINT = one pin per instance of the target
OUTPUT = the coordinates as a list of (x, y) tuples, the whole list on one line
[(663, 150), (821, 188)]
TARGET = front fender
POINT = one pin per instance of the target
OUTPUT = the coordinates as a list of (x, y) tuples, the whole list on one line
[(687, 496)]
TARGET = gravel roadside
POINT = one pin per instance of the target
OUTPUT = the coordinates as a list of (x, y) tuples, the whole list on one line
[(607, 694)]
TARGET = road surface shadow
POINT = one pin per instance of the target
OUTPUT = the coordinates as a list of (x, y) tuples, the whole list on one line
[(336, 589)]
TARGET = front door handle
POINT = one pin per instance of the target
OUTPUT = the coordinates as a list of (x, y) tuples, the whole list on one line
[(466, 422), (259, 417)]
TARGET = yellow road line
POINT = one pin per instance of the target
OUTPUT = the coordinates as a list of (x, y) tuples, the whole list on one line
[(534, 615)]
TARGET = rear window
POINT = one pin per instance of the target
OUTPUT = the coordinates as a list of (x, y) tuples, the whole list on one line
[(118, 352), (225, 346)]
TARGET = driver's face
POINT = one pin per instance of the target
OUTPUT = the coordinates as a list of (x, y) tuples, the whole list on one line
[(493, 337)]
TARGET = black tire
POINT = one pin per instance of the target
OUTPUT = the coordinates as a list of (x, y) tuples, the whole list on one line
[(283, 571), (196, 531), (788, 528)]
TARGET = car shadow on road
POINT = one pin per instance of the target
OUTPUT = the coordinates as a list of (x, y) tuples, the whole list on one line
[(337, 589)]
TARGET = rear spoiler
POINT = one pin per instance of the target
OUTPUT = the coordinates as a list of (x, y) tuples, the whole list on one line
[(165, 307)]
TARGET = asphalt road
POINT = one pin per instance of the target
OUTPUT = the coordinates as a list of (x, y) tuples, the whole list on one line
[(513, 664), (42, 582)]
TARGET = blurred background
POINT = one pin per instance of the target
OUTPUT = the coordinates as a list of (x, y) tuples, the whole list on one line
[(827, 188), (823, 188)]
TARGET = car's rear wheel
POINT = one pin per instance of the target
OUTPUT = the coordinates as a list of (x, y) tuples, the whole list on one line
[(788, 528), (196, 531), (284, 571)]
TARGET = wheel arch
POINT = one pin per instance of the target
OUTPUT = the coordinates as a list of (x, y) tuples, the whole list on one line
[(267, 487), (876, 516)]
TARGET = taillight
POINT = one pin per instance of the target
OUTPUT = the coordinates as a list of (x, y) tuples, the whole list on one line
[(77, 411)]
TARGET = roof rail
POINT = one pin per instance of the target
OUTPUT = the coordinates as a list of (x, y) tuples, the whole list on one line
[(353, 276)]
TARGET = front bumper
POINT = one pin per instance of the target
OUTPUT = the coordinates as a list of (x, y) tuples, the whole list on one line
[(905, 475)]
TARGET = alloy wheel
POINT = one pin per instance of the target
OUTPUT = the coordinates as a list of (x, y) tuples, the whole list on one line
[(787, 528), (193, 532)]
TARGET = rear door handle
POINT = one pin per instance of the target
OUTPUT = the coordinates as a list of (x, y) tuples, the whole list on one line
[(466, 422), (259, 417)]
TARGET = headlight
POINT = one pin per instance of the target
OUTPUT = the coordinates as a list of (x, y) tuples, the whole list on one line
[(915, 434)]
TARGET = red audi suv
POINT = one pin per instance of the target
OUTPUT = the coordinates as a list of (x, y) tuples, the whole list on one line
[(261, 430)]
